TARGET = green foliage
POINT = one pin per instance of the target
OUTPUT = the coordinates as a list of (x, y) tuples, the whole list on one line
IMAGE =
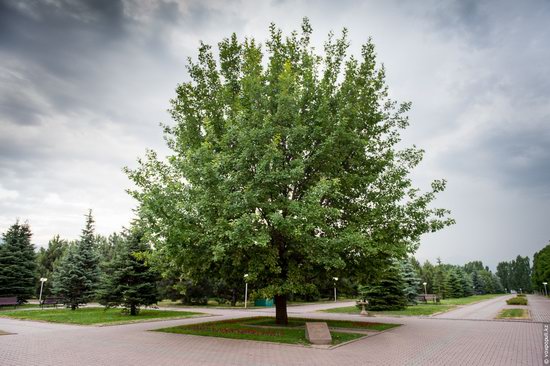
[(284, 167), (516, 274), (47, 259), (541, 269), (17, 263), (411, 281), (518, 300), (129, 280), (76, 277), (387, 292)]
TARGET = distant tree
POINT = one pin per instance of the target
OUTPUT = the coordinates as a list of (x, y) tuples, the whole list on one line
[(466, 282), (427, 275), (440, 283), (455, 288), (77, 275), (411, 281), (17, 263), (130, 280), (521, 274), (387, 291), (473, 266), (504, 272), (47, 259)]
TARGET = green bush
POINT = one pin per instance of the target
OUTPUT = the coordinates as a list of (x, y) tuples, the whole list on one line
[(521, 295), (517, 301)]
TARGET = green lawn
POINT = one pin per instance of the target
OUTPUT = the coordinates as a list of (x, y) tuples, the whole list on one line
[(420, 309), (513, 314), (90, 316), (11, 308), (265, 329)]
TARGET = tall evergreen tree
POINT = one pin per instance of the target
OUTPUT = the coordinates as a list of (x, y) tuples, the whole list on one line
[(411, 281), (77, 275), (387, 291), (17, 263), (455, 288), (129, 280)]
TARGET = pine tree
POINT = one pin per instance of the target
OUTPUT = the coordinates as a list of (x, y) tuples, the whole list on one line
[(129, 280), (76, 278), (386, 293), (411, 281), (17, 263), (455, 284)]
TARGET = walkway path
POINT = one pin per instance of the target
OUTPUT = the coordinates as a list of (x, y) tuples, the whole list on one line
[(418, 342), (486, 310), (539, 307)]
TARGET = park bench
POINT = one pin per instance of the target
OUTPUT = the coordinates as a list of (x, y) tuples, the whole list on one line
[(427, 297), (9, 301), (51, 301)]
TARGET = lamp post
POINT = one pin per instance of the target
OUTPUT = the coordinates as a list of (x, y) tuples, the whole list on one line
[(245, 290), (545, 290), (42, 280), (425, 290), (520, 290), (335, 279)]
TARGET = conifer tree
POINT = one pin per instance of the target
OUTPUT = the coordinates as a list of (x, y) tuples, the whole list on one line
[(129, 280), (17, 263), (411, 281), (77, 275), (387, 292)]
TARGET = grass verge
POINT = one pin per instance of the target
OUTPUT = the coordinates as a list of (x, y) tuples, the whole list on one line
[(94, 316), (513, 314), (11, 308), (265, 329)]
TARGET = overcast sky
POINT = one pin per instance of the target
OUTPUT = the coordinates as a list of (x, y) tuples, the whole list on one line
[(84, 85)]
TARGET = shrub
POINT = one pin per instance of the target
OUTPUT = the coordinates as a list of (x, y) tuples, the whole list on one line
[(517, 301), (521, 295)]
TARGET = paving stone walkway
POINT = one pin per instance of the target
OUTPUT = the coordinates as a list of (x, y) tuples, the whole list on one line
[(483, 310), (418, 342), (539, 307)]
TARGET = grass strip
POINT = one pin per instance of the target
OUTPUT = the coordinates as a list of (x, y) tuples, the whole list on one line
[(91, 316)]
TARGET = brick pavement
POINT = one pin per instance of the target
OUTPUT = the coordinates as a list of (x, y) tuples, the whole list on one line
[(539, 307), (417, 342)]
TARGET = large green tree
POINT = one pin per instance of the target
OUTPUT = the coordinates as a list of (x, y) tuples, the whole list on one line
[(541, 269), (77, 275), (285, 163), (17, 263), (129, 279)]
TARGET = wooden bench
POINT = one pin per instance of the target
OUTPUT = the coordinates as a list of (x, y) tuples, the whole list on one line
[(9, 301), (427, 297), (51, 301)]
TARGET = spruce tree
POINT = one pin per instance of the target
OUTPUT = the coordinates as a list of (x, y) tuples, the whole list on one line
[(387, 292), (77, 275), (17, 263), (129, 280), (411, 281)]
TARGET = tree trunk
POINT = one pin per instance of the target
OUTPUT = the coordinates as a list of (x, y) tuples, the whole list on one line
[(281, 316), (133, 310), (233, 297), (73, 306)]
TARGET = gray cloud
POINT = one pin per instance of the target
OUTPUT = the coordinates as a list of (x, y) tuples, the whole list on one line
[(83, 85)]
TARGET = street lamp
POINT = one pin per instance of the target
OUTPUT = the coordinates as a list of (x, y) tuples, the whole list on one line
[(335, 279), (245, 290), (425, 291), (42, 280), (545, 290)]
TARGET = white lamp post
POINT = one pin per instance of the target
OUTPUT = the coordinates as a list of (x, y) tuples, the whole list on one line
[(545, 290), (425, 290), (245, 290), (335, 279), (42, 280)]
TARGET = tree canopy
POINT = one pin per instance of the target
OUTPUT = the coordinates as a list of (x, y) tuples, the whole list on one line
[(285, 166)]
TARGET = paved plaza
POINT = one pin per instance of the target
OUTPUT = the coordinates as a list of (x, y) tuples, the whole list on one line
[(458, 337)]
